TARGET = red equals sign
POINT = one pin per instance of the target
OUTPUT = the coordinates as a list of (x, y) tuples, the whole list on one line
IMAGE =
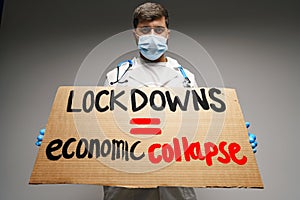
[(145, 131)]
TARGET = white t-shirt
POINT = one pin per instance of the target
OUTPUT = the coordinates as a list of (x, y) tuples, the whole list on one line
[(148, 74)]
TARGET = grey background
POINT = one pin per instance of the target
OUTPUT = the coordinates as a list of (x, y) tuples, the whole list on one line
[(255, 44)]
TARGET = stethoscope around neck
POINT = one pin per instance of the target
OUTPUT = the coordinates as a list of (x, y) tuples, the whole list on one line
[(186, 82), (118, 72)]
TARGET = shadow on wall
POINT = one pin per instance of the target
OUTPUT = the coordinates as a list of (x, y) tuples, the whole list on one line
[(1, 11)]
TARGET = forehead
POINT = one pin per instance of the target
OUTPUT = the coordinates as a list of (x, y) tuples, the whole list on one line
[(157, 22)]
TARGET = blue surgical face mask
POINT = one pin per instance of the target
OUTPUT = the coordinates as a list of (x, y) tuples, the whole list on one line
[(152, 46)]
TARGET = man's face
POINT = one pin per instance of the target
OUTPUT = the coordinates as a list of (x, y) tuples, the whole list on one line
[(157, 26)]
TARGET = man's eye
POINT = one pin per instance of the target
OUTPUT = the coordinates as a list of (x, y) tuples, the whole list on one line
[(159, 30), (145, 29)]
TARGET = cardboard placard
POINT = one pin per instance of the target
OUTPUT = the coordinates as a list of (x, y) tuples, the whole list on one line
[(146, 137)]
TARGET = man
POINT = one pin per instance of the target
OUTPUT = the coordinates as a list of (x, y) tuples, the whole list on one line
[(150, 69)]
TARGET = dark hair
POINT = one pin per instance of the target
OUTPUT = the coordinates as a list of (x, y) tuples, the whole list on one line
[(149, 12)]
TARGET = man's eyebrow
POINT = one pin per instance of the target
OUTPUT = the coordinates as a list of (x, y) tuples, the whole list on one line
[(151, 27)]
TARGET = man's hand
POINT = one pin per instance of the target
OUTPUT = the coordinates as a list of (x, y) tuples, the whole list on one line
[(40, 137), (252, 139)]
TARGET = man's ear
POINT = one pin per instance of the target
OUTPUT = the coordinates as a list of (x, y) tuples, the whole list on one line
[(136, 37), (168, 35)]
